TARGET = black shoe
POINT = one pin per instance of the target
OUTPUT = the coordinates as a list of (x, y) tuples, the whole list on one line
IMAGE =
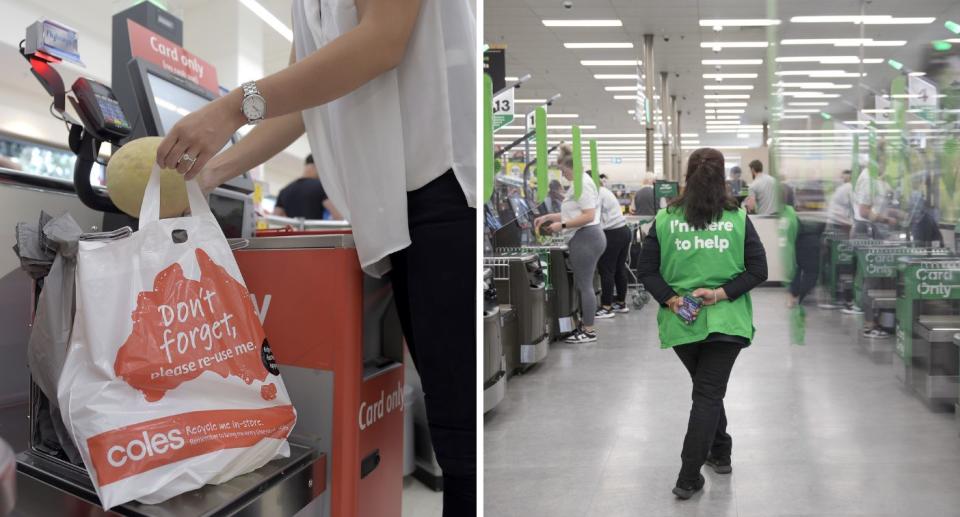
[(721, 465), (686, 489)]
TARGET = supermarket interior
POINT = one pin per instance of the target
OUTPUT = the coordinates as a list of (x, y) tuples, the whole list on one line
[(124, 390), (767, 190)]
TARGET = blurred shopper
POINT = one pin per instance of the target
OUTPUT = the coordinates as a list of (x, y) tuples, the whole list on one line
[(763, 191), (840, 209), (613, 263), (385, 91), (554, 199), (800, 241), (703, 246), (644, 201), (581, 217), (872, 216), (305, 197), (736, 185)]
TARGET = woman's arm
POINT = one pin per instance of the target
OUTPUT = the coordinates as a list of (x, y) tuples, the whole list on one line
[(377, 44), (755, 265), (585, 218)]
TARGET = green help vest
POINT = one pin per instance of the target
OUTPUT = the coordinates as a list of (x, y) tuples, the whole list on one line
[(708, 258), (789, 225)]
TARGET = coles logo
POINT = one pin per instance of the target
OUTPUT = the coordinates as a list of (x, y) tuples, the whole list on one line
[(137, 449)]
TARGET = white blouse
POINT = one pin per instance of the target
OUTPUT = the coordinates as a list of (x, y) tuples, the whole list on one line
[(401, 130)]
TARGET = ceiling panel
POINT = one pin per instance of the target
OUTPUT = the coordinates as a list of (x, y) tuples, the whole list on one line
[(538, 50)]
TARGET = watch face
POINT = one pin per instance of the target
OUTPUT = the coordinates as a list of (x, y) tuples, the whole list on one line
[(254, 107)]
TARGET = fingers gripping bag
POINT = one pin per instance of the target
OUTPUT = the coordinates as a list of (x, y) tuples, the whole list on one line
[(169, 383)]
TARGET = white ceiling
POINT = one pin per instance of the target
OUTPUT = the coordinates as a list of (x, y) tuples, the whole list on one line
[(538, 50)]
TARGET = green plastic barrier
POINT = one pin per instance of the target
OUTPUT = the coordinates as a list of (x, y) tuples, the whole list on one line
[(540, 130), (929, 278), (577, 164), (487, 138), (594, 162)]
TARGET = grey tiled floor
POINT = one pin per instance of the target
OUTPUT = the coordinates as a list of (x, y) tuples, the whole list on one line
[(818, 430)]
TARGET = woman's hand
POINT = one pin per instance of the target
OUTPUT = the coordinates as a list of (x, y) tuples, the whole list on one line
[(555, 227), (710, 296), (200, 135), (674, 304)]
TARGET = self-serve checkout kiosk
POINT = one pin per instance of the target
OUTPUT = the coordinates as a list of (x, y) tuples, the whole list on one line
[(928, 318), (494, 364), (333, 330), (520, 283)]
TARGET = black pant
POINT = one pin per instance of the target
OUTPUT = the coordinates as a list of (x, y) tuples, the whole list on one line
[(613, 266), (709, 364), (435, 284), (807, 251)]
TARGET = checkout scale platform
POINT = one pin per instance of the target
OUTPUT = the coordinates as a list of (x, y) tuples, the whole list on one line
[(520, 283)]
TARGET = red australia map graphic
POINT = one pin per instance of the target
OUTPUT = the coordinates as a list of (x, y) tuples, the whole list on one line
[(185, 327)]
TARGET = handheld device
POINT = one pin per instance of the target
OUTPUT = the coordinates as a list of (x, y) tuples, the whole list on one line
[(689, 306), (100, 111)]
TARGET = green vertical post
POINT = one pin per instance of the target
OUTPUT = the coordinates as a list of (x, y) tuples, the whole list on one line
[(540, 134), (594, 162), (577, 164), (487, 138)]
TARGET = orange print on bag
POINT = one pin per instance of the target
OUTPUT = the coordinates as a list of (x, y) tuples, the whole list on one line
[(185, 327)]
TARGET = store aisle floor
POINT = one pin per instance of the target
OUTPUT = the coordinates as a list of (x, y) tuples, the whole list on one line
[(818, 430)]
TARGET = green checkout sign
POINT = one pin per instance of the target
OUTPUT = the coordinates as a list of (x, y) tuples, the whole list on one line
[(922, 278), (875, 261)]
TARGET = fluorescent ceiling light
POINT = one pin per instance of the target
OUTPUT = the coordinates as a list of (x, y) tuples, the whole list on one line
[(598, 45), (689, 135), (726, 96), (829, 60), (743, 135), (731, 147), (809, 103), (727, 117), (268, 18), (813, 85), (739, 22), (529, 101), (844, 42), (729, 111), (726, 104), (571, 127), (793, 116), (719, 45), (801, 110), (918, 74), (511, 79), (635, 77), (621, 88), (728, 87), (732, 62), (811, 95), (820, 73), (611, 62), (562, 115), (878, 19), (720, 77), (582, 23)]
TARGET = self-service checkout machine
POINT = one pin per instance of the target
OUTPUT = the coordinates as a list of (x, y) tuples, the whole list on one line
[(521, 292), (928, 318), (494, 363), (346, 381)]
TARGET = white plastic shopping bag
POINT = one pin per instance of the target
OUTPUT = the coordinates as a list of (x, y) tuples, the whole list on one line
[(169, 383)]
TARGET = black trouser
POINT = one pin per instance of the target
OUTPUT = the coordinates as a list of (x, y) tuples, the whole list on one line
[(435, 284), (709, 364), (807, 250), (613, 266)]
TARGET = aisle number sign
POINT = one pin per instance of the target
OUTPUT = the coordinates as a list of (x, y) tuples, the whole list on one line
[(503, 109)]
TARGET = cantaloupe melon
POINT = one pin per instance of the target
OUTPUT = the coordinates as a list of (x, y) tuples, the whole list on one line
[(128, 171)]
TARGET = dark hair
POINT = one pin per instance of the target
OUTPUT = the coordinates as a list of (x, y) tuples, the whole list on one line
[(705, 197), (846, 173), (603, 176), (565, 159), (308, 160), (756, 166), (735, 170)]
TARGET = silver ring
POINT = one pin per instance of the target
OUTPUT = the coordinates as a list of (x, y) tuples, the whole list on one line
[(187, 158)]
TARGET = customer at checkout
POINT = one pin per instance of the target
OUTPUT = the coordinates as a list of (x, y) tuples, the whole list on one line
[(581, 217), (613, 263), (385, 90), (763, 191), (644, 201), (678, 261), (305, 197), (840, 209)]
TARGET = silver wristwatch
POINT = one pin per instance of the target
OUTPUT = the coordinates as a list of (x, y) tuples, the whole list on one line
[(254, 106)]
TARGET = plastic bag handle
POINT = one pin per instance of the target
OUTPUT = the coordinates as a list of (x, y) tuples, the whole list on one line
[(150, 208)]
